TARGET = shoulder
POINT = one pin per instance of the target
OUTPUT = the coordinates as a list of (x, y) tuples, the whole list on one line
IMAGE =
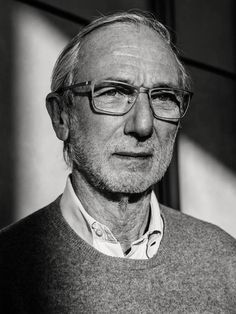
[(197, 232), (29, 227), (25, 248)]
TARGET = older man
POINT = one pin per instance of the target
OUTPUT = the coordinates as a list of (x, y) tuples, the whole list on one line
[(106, 245)]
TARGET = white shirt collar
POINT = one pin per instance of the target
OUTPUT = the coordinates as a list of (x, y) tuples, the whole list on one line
[(99, 235)]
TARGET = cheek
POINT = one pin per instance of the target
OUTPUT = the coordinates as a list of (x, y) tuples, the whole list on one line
[(94, 128), (165, 131), (83, 124)]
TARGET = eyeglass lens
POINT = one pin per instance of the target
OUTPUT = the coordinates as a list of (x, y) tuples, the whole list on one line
[(118, 98)]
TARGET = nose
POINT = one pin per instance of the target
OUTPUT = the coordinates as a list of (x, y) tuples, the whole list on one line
[(140, 119)]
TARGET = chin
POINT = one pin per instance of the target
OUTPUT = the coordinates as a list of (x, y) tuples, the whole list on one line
[(127, 182)]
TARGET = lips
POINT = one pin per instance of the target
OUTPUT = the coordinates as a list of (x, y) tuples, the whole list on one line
[(132, 154)]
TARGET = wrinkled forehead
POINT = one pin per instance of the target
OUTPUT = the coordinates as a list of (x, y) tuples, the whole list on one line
[(123, 43)]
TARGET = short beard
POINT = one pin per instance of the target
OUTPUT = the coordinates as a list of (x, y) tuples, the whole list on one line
[(102, 177)]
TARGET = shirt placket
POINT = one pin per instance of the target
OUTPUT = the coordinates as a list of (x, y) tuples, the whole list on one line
[(152, 247)]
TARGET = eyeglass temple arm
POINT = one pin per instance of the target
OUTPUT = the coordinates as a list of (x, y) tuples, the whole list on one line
[(62, 89)]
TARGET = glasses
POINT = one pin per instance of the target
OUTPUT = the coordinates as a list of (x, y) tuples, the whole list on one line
[(117, 98)]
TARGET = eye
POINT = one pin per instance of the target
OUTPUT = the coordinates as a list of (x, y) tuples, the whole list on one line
[(111, 91), (165, 96)]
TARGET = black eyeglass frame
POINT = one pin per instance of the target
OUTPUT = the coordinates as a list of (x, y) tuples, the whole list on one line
[(139, 90)]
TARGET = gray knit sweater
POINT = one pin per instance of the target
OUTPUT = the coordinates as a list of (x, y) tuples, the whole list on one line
[(46, 268)]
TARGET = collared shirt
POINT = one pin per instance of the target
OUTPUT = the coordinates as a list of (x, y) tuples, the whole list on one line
[(101, 238)]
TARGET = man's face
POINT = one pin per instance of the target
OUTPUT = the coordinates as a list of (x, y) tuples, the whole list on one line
[(129, 153)]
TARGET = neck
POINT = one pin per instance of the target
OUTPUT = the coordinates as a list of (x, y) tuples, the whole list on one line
[(126, 215)]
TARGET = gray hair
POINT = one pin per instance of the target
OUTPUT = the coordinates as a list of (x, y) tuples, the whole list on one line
[(65, 69)]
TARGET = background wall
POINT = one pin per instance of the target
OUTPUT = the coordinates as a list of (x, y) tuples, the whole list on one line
[(207, 147), (202, 178)]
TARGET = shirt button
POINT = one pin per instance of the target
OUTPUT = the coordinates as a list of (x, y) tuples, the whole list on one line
[(98, 232)]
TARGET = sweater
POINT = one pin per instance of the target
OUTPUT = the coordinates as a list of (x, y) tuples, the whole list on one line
[(45, 267)]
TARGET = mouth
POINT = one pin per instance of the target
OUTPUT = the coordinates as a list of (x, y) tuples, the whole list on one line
[(133, 155)]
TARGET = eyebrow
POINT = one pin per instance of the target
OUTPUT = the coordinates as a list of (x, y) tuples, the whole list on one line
[(118, 79), (166, 85), (128, 81)]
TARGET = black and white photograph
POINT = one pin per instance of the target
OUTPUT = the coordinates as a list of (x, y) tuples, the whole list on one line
[(117, 157)]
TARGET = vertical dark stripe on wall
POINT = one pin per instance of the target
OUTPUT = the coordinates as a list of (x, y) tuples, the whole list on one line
[(168, 189)]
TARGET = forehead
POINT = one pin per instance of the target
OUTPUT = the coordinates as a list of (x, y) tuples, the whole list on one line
[(134, 51)]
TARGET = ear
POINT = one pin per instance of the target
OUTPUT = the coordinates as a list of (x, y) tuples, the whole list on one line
[(59, 117)]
